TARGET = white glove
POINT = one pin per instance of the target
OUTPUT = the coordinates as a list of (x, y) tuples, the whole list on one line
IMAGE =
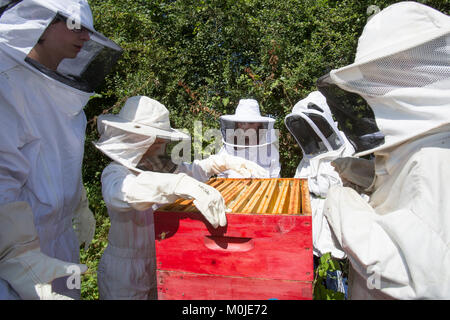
[(357, 173), (22, 264), (219, 163), (30, 274), (148, 188), (84, 221), (208, 200)]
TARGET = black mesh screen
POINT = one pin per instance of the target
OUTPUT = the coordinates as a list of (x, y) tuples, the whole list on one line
[(306, 137), (354, 115)]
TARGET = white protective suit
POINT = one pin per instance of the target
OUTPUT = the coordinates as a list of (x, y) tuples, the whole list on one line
[(127, 268), (263, 146), (398, 242), (42, 131), (316, 133)]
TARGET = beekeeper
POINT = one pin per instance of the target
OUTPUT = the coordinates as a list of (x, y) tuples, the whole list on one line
[(317, 134), (248, 135), (46, 77), (146, 173), (395, 100), (312, 125)]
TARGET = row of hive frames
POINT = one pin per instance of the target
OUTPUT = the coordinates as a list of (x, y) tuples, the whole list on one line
[(257, 196)]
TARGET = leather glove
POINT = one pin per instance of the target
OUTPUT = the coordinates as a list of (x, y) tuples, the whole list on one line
[(22, 264), (219, 163), (356, 173), (84, 221), (208, 200)]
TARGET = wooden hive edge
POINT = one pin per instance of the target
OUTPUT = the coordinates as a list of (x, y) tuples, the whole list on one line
[(304, 195)]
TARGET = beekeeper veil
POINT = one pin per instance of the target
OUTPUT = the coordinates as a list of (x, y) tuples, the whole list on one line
[(142, 128), (398, 87), (249, 135), (22, 23), (313, 127)]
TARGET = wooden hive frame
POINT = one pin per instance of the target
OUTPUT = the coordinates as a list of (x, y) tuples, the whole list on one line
[(256, 196)]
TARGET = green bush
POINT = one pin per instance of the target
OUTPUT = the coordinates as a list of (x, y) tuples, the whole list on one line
[(200, 57)]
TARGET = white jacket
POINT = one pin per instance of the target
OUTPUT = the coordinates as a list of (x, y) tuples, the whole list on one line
[(398, 244), (42, 130), (127, 268), (42, 144)]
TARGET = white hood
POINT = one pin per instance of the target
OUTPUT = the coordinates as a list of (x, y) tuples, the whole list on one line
[(263, 146), (317, 168), (126, 137), (402, 70), (22, 25), (124, 147)]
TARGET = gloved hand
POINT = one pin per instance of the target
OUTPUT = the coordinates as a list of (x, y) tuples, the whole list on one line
[(22, 264), (357, 173), (143, 191), (84, 221), (208, 200), (219, 163), (30, 274)]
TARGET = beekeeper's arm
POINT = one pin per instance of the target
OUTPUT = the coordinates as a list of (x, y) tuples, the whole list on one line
[(215, 164), (27, 270), (123, 190), (402, 252)]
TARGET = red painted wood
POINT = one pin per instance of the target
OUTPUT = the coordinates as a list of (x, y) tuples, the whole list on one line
[(190, 286), (275, 249)]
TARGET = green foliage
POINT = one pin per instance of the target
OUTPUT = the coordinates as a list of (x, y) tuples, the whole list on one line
[(200, 57), (328, 264), (92, 256)]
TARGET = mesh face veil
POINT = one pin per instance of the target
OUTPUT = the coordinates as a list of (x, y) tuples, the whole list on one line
[(23, 23), (159, 157), (355, 117), (94, 61), (139, 152), (254, 141), (382, 84), (398, 88), (245, 134), (313, 127), (313, 132), (123, 147)]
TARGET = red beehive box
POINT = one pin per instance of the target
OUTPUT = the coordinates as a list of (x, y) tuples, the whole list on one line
[(264, 252)]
